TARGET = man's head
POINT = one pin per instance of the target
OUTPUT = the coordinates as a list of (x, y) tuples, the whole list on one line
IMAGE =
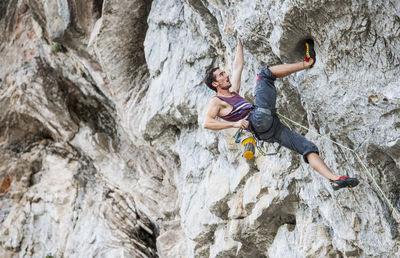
[(217, 78)]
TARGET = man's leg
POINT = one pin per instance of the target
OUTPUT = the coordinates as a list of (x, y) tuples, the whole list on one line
[(291, 139), (319, 165), (296, 142), (286, 69), (300, 144)]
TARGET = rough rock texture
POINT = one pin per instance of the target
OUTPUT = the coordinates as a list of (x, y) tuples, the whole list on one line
[(102, 152)]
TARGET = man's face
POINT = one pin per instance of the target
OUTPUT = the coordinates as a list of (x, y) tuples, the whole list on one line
[(221, 79)]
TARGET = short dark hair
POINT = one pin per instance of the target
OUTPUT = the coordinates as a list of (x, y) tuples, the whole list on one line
[(210, 78)]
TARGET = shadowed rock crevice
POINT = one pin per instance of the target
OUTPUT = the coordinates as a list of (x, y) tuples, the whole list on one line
[(296, 31), (256, 241), (8, 18), (21, 130), (3, 9), (84, 15), (92, 111), (300, 24), (133, 229), (72, 22)]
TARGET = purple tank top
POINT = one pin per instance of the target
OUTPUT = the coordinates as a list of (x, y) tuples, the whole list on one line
[(241, 108)]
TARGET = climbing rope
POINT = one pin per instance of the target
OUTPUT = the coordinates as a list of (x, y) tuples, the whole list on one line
[(395, 212), (263, 152)]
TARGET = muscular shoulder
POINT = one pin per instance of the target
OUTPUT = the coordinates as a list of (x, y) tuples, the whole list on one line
[(216, 101), (214, 107)]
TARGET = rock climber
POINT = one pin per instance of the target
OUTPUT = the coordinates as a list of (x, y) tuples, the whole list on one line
[(261, 118)]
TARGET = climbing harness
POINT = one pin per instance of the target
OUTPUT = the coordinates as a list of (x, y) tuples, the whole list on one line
[(395, 212)]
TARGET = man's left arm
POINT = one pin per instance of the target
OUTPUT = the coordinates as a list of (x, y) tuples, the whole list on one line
[(238, 64)]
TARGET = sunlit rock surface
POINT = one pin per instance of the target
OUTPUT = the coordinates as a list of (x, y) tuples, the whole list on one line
[(102, 148)]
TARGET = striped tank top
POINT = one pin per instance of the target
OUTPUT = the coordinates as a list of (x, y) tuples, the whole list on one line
[(241, 108)]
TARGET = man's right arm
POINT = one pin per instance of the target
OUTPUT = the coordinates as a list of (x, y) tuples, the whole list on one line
[(210, 121)]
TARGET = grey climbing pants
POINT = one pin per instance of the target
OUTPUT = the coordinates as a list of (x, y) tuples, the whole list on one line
[(266, 124)]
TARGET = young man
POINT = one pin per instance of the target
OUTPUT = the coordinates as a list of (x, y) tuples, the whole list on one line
[(261, 118)]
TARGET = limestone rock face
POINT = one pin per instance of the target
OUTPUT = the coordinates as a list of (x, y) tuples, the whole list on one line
[(103, 153)]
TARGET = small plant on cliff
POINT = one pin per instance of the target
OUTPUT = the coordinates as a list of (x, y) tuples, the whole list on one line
[(49, 256), (57, 47)]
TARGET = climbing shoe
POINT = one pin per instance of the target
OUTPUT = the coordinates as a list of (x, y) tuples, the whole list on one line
[(310, 52), (344, 181)]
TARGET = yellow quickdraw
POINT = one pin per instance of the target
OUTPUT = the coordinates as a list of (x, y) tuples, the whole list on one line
[(237, 136)]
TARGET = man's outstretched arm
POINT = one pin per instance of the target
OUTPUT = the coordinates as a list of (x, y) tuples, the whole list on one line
[(210, 121), (238, 64)]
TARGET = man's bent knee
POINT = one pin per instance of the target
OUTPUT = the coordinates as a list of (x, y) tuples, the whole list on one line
[(310, 154), (261, 121)]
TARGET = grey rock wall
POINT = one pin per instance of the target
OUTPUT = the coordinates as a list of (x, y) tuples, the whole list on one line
[(102, 148)]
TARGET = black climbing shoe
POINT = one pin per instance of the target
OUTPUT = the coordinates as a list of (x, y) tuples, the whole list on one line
[(310, 52), (343, 181)]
